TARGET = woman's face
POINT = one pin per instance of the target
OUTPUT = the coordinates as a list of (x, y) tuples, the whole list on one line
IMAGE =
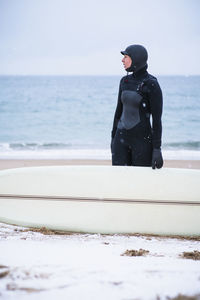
[(127, 61)]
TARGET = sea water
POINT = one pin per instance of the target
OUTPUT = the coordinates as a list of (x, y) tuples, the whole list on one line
[(72, 116)]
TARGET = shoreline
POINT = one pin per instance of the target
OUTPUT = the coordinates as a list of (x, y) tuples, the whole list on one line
[(20, 163)]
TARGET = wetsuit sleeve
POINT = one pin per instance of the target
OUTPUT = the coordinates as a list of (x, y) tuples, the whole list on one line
[(118, 112), (156, 106)]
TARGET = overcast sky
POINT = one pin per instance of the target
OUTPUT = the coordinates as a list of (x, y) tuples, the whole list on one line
[(86, 36)]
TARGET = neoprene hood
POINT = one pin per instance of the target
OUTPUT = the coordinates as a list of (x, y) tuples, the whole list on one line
[(138, 55)]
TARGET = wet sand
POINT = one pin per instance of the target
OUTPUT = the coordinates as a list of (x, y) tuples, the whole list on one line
[(19, 163)]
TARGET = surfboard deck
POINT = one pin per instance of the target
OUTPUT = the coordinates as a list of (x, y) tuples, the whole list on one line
[(102, 199)]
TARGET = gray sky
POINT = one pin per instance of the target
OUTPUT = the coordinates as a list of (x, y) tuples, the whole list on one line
[(85, 36)]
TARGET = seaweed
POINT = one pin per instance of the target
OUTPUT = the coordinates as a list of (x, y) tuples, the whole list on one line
[(140, 252), (195, 255)]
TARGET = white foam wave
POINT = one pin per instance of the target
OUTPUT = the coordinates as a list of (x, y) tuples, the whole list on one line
[(90, 153), (56, 154)]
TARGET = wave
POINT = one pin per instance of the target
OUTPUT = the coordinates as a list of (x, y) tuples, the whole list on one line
[(33, 146), (191, 145), (56, 150), (37, 146)]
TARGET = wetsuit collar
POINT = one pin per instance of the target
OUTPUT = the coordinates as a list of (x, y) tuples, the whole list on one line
[(140, 73)]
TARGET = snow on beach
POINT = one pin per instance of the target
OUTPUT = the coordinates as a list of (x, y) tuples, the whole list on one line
[(34, 265)]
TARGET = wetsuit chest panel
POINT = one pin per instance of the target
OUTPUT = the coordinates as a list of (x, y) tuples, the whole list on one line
[(130, 115)]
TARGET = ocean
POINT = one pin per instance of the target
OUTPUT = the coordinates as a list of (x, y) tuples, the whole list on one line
[(59, 117), (71, 116)]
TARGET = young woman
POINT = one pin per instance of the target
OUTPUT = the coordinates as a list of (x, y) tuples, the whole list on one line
[(137, 127)]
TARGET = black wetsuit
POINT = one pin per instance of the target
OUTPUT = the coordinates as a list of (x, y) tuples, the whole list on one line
[(137, 124)]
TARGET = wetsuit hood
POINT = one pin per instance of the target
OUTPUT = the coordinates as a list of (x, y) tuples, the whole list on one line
[(138, 55)]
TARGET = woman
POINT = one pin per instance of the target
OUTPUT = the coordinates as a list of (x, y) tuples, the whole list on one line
[(136, 139)]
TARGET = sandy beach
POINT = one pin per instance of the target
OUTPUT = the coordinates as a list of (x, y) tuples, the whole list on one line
[(19, 163)]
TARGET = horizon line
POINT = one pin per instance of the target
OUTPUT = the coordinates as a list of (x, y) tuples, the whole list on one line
[(183, 75)]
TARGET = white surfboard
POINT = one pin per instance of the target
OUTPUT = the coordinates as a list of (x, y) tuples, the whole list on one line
[(102, 199)]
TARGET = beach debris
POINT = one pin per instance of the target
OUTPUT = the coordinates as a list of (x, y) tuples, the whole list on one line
[(162, 237), (4, 273), (46, 231), (191, 255), (15, 287), (3, 267), (116, 282), (184, 297), (140, 252)]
